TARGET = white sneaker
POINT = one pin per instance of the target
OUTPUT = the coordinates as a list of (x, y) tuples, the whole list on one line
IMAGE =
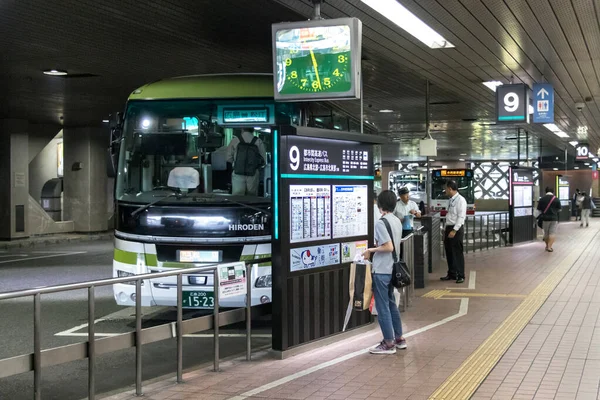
[(383, 348)]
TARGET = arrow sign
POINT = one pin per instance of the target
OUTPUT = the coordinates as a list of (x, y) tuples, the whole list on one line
[(543, 103)]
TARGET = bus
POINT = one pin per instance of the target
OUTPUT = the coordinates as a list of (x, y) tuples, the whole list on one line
[(173, 191), (466, 187), (414, 181)]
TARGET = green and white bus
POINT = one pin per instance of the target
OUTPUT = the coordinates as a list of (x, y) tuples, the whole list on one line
[(179, 130)]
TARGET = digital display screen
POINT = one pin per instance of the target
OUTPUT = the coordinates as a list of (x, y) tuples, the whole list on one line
[(453, 172), (236, 115), (317, 59), (314, 59)]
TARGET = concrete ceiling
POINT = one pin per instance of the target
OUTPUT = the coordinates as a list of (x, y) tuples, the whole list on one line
[(110, 47)]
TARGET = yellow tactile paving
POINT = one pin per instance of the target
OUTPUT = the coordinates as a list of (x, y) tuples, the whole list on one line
[(466, 379)]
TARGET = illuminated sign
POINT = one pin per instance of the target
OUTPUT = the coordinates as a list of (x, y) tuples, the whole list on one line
[(453, 172), (583, 151), (243, 115)]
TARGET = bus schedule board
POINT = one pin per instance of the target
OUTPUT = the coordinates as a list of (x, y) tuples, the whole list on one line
[(323, 218), (317, 60)]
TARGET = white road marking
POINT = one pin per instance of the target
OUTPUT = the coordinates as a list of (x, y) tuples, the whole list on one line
[(13, 255), (65, 254), (464, 308), (472, 276)]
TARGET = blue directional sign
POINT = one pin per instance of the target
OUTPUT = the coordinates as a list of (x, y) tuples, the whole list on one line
[(543, 103)]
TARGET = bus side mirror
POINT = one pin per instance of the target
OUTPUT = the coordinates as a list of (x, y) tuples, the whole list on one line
[(114, 146)]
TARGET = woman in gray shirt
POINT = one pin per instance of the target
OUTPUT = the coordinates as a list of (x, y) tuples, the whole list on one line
[(387, 311)]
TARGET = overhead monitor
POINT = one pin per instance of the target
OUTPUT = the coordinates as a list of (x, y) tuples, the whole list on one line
[(317, 60)]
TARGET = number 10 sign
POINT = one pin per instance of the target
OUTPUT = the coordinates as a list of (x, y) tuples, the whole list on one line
[(512, 103)]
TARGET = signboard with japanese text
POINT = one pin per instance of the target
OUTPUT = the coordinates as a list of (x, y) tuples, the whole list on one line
[(314, 257), (232, 279), (323, 156)]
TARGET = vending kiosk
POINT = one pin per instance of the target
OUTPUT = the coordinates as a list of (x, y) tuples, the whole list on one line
[(564, 195)]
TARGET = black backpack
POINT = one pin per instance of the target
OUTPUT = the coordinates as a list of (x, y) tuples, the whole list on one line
[(248, 159)]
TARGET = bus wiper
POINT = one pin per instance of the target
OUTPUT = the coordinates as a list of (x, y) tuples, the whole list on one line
[(212, 197), (145, 206)]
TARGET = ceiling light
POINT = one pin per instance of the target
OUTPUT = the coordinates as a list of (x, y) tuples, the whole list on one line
[(432, 160), (591, 155), (556, 130), (406, 20), (145, 123), (105, 121), (55, 72), (495, 159), (576, 167), (463, 154), (444, 167), (492, 85), (587, 163), (574, 143), (386, 111), (596, 159), (530, 109), (461, 159), (556, 169), (398, 160)]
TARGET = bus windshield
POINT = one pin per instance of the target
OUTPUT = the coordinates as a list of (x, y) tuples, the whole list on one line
[(466, 187), (175, 149)]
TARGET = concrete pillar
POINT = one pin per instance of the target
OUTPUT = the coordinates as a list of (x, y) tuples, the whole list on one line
[(85, 178), (14, 179)]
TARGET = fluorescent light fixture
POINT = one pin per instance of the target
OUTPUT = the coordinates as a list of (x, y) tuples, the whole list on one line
[(587, 163), (596, 159), (556, 169), (530, 109), (556, 130), (574, 143), (461, 159), (386, 111), (432, 160), (463, 154), (591, 155), (55, 72), (398, 160), (105, 121), (444, 167), (406, 20), (492, 85), (576, 167)]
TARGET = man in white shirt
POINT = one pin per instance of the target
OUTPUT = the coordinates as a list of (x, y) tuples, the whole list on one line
[(454, 234), (243, 185), (406, 210)]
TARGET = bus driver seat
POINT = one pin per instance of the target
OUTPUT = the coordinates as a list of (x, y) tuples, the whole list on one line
[(184, 178)]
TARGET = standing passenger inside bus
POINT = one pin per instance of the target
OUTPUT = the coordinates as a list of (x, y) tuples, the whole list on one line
[(248, 155)]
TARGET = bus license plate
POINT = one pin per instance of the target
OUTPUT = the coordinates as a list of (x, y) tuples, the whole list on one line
[(198, 298)]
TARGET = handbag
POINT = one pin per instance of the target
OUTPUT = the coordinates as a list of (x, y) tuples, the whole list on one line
[(540, 222), (400, 275)]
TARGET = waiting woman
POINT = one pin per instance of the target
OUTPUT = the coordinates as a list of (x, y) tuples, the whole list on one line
[(387, 310)]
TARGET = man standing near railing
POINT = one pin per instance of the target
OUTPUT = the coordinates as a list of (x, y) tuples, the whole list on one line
[(406, 210), (454, 234)]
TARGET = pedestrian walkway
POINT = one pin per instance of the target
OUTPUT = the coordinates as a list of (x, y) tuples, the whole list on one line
[(59, 238), (524, 325)]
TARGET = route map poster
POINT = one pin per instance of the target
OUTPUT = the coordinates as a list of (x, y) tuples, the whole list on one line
[(350, 211), (310, 213)]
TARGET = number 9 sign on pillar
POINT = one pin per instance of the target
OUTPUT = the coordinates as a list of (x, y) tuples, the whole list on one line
[(294, 156)]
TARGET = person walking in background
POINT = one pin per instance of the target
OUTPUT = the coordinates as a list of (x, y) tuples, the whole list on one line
[(406, 210), (549, 209), (388, 315), (587, 205), (574, 208), (454, 234)]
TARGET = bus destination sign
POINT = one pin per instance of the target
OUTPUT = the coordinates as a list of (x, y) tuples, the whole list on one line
[(232, 115), (453, 172)]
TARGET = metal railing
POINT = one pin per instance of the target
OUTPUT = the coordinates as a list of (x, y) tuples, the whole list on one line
[(94, 347), (482, 232), (407, 292)]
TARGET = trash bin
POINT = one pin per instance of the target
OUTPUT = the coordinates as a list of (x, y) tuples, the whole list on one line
[(51, 193)]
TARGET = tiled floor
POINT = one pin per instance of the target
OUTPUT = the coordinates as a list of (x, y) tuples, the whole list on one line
[(556, 355)]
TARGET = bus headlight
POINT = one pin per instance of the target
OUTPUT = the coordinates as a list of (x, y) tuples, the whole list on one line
[(264, 281), (125, 274)]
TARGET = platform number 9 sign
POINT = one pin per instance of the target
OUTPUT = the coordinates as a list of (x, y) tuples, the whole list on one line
[(294, 158), (511, 102)]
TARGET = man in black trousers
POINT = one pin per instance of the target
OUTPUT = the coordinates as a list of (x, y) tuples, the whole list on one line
[(455, 233)]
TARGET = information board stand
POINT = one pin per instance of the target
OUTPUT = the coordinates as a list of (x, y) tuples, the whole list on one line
[(522, 223), (323, 216), (564, 195)]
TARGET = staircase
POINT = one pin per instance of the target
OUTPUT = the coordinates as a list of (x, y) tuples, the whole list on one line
[(596, 211)]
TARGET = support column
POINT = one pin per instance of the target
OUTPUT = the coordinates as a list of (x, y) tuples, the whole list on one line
[(85, 179), (14, 179)]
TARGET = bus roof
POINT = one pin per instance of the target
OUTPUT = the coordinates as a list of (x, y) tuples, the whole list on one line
[(207, 86)]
